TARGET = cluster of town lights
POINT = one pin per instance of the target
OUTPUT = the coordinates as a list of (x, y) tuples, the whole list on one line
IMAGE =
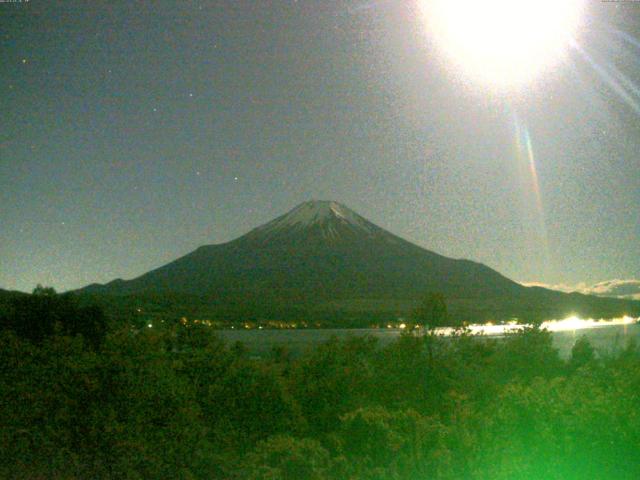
[(569, 324)]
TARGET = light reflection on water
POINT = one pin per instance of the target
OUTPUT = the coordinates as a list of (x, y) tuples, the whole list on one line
[(569, 324), (605, 336)]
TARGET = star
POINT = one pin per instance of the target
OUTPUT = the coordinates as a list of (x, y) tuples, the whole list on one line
[(24, 60)]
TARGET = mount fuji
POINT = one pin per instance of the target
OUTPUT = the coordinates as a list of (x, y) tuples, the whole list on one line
[(322, 256)]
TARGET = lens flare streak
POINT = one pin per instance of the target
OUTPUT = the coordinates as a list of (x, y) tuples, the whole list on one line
[(612, 77), (524, 149), (534, 173), (627, 37)]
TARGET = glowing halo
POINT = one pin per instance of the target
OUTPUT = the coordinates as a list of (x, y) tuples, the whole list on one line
[(503, 42)]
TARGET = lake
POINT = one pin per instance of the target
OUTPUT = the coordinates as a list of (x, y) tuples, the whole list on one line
[(604, 337)]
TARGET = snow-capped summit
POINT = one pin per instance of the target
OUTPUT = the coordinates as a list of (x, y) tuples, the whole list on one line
[(329, 216), (318, 210)]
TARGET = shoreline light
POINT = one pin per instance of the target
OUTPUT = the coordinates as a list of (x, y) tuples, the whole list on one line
[(569, 324)]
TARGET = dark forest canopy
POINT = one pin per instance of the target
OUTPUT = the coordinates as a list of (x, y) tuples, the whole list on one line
[(177, 402), (43, 313)]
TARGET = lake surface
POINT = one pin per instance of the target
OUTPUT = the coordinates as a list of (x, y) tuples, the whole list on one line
[(605, 338)]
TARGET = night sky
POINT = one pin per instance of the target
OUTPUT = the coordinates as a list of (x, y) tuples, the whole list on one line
[(134, 132)]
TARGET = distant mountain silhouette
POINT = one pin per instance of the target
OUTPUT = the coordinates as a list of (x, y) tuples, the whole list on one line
[(10, 293), (6, 296), (322, 254)]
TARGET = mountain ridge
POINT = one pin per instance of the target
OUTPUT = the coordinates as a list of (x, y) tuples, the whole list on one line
[(322, 252)]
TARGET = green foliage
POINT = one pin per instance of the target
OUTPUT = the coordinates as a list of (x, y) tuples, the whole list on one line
[(528, 354), (405, 373), (77, 414), (283, 457), (334, 379), (36, 317), (399, 444), (432, 311), (177, 402), (44, 291), (582, 353)]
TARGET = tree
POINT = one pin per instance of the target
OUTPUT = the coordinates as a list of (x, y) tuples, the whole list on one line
[(334, 379), (40, 315), (526, 354), (44, 291), (582, 353), (432, 311), (287, 458), (381, 443)]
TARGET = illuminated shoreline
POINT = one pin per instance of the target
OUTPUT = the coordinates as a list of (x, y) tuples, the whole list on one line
[(569, 324)]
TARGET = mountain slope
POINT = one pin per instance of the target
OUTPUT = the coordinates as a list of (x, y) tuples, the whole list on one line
[(322, 253)]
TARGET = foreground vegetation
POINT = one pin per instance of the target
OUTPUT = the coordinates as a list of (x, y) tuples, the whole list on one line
[(80, 399)]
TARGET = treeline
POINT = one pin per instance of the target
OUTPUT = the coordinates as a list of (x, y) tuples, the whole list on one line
[(225, 313), (304, 312), (180, 403)]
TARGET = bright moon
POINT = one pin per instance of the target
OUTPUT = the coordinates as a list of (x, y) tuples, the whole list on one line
[(503, 42)]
